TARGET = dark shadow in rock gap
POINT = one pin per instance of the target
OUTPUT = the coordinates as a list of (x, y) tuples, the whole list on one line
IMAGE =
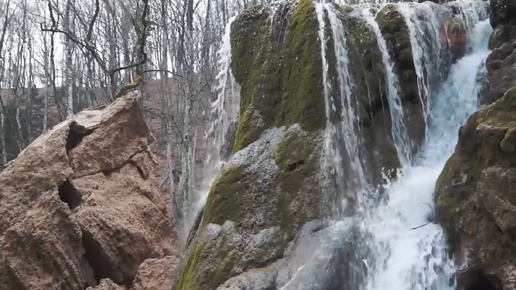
[(482, 281), (69, 195)]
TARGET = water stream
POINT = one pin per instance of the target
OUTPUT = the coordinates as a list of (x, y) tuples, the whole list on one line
[(415, 258)]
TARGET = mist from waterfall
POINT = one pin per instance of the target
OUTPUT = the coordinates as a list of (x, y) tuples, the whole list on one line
[(224, 110)]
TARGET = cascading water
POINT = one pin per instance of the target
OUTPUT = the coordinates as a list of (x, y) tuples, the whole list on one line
[(407, 256), (345, 178), (425, 36), (378, 246), (399, 130), (224, 110), (396, 252)]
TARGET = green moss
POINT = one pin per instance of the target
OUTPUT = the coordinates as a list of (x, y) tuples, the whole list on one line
[(187, 279), (479, 147), (280, 72), (396, 34), (302, 99), (345, 8), (300, 197), (368, 66), (256, 65), (199, 276), (248, 131), (500, 113), (225, 197)]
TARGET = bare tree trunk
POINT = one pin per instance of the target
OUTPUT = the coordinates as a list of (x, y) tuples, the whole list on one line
[(68, 60)]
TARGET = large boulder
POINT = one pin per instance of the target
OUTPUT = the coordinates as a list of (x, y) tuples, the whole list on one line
[(80, 205), (156, 274), (267, 190), (476, 196)]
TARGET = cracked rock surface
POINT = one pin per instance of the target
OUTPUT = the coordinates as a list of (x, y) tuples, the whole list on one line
[(80, 207)]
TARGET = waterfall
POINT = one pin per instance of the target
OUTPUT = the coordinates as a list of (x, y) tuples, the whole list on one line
[(394, 244), (425, 38), (417, 258), (398, 130), (375, 238), (224, 110), (344, 129)]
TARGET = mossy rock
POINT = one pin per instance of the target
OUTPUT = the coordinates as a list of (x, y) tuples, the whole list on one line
[(298, 157), (382, 156), (482, 144), (208, 265), (225, 197), (397, 36), (250, 127), (279, 70), (273, 185), (368, 68)]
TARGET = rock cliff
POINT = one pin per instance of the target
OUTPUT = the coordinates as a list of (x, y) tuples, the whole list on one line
[(80, 207)]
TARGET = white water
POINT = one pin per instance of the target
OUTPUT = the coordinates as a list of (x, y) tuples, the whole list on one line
[(399, 130), (423, 24), (224, 110), (400, 251), (347, 131)]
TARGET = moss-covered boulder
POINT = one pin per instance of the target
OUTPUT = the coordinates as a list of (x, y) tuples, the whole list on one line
[(369, 74), (272, 185), (476, 194), (279, 70), (368, 79), (396, 33)]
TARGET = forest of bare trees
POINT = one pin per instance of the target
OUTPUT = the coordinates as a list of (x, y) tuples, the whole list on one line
[(58, 57)]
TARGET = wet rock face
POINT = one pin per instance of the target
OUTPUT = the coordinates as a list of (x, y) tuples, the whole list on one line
[(397, 37), (500, 72), (79, 205), (475, 196)]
